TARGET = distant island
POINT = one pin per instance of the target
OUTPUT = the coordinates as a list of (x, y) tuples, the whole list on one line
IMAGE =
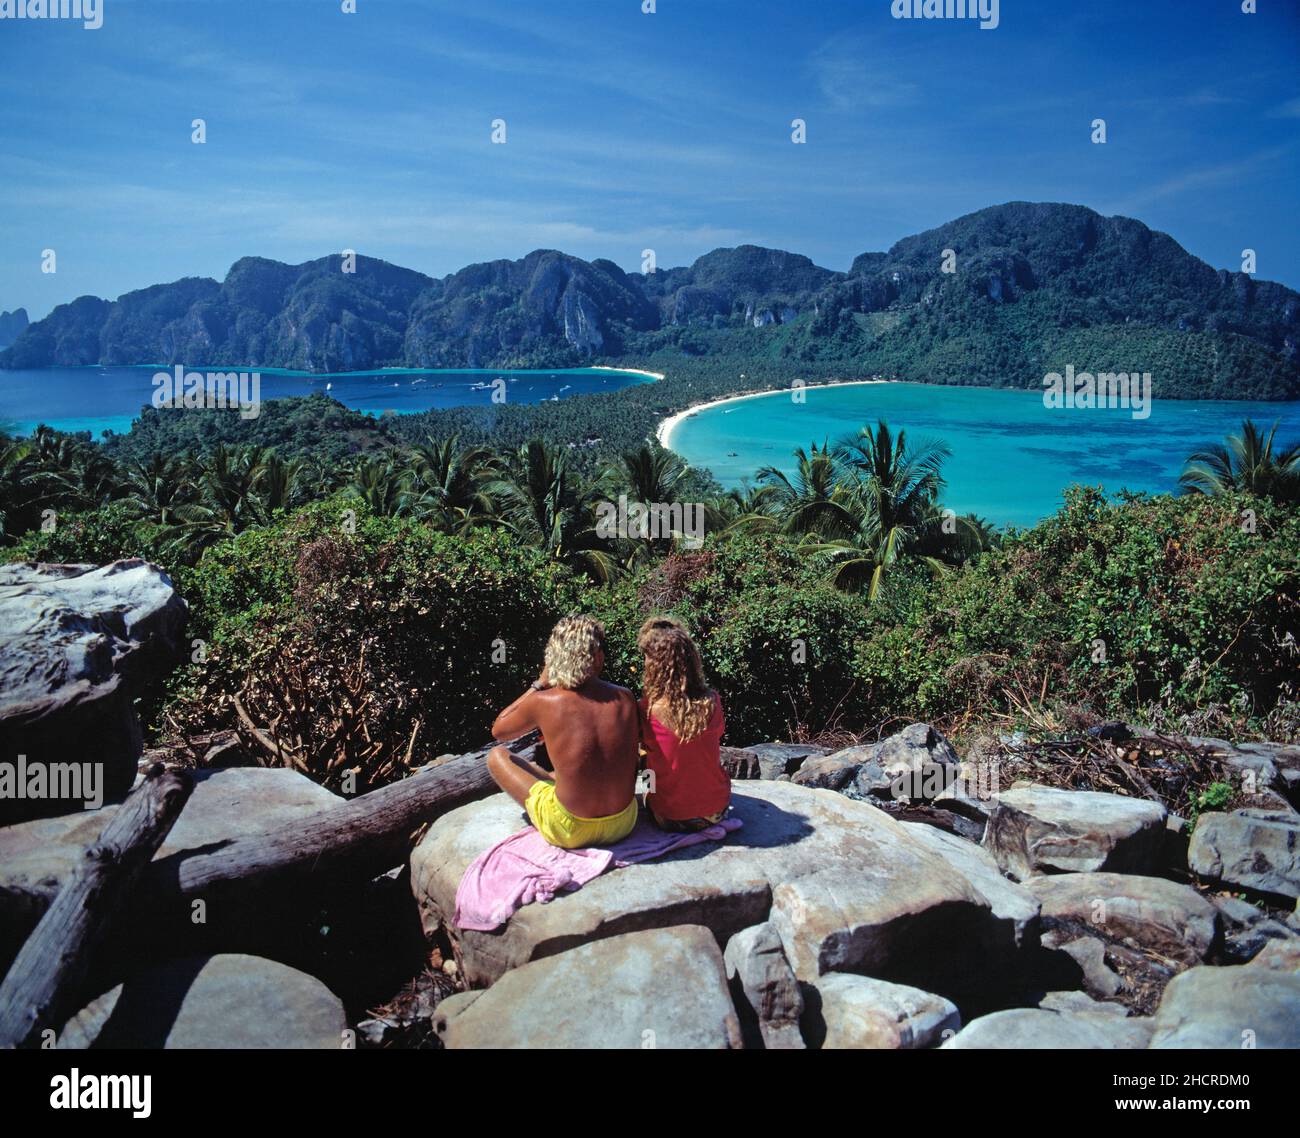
[(996, 298)]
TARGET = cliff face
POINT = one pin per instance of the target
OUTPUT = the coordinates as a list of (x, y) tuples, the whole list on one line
[(12, 325), (997, 293)]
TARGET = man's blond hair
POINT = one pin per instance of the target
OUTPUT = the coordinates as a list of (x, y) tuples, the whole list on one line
[(571, 651)]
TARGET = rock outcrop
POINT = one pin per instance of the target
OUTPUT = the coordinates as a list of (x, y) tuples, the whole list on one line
[(917, 762), (1142, 912), (862, 1013), (846, 887), (765, 989), (77, 643), (1021, 1029)]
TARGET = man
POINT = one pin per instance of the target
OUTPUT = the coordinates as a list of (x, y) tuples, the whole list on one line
[(591, 733)]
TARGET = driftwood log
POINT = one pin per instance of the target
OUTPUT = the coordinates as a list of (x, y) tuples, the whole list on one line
[(47, 977)]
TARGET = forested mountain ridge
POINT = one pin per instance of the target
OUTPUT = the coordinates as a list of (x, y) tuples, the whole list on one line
[(998, 297)]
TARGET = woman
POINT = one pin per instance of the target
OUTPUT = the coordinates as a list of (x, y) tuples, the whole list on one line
[(681, 728)]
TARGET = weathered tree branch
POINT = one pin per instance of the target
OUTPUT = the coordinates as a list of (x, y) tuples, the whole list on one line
[(45, 980)]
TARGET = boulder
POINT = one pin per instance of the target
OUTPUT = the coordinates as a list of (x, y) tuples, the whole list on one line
[(1037, 829), (916, 763), (847, 888), (226, 1001), (780, 760), (1013, 905), (662, 987), (77, 645), (1147, 913), (1022, 1029), (764, 988), (36, 856), (859, 1012), (1229, 1008), (1252, 849)]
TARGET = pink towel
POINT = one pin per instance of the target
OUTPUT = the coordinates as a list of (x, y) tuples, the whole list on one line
[(525, 867)]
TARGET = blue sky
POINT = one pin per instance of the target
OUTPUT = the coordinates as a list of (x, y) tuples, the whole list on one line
[(625, 131)]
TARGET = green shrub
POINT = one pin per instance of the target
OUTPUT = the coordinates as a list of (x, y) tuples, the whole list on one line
[(1152, 606), (342, 646)]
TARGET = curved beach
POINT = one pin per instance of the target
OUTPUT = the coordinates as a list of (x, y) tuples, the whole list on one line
[(664, 431)]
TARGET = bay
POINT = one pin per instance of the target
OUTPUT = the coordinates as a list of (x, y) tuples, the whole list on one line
[(1011, 456)]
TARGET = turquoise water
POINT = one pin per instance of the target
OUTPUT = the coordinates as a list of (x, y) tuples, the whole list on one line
[(1011, 456), (96, 399)]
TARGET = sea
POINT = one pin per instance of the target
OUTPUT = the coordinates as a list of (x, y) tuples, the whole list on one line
[(98, 399), (1012, 457)]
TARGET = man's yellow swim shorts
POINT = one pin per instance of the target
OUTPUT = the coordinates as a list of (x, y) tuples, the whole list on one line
[(568, 831)]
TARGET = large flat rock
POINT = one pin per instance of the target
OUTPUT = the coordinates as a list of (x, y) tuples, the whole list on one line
[(1040, 829), (229, 1001), (662, 988), (845, 886), (1230, 1008)]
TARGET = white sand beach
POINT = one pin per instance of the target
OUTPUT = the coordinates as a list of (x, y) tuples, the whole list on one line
[(664, 431), (629, 370)]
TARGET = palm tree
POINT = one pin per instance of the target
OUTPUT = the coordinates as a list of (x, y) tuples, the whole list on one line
[(382, 484), (893, 499), (283, 485), (749, 509), (652, 476), (156, 487), (867, 503), (453, 486), (815, 500), (1247, 463), (545, 503)]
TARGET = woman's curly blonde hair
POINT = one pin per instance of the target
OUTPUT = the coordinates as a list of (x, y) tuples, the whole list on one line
[(674, 684), (571, 651)]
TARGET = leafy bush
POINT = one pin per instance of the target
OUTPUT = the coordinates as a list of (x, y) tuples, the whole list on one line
[(347, 650), (97, 536), (1150, 606)]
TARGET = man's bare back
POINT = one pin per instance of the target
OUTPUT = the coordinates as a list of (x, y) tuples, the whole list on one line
[(591, 735), (591, 738)]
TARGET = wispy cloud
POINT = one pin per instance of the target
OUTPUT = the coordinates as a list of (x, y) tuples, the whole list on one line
[(854, 72)]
